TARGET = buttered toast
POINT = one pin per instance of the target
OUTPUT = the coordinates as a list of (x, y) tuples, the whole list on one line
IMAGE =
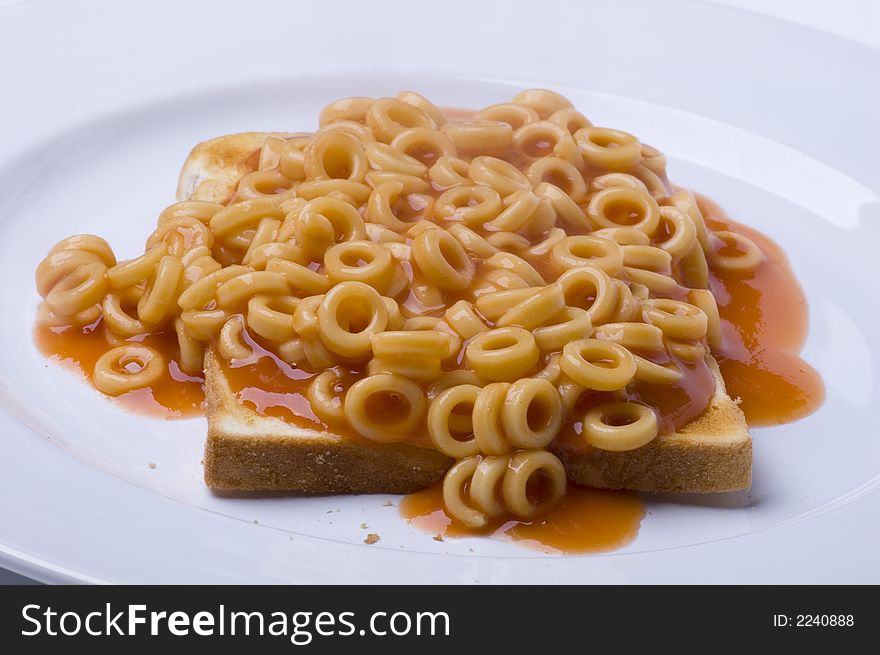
[(251, 452)]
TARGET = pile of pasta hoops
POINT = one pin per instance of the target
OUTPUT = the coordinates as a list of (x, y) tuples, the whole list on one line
[(480, 276)]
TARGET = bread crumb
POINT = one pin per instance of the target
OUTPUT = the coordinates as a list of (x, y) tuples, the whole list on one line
[(152, 465), (387, 503), (371, 538), (364, 526), (438, 537)]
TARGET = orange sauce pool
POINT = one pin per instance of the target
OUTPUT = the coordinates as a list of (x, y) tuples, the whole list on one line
[(586, 521), (176, 395), (764, 322)]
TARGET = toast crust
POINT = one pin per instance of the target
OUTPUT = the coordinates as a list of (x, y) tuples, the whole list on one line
[(213, 168), (246, 451), (711, 454), (249, 452)]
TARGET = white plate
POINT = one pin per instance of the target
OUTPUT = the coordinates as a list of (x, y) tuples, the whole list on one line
[(776, 122)]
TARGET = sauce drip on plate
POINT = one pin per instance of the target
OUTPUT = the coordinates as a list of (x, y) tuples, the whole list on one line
[(586, 521), (764, 321), (176, 395)]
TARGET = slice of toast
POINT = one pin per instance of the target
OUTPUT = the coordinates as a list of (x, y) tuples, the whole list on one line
[(250, 452)]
